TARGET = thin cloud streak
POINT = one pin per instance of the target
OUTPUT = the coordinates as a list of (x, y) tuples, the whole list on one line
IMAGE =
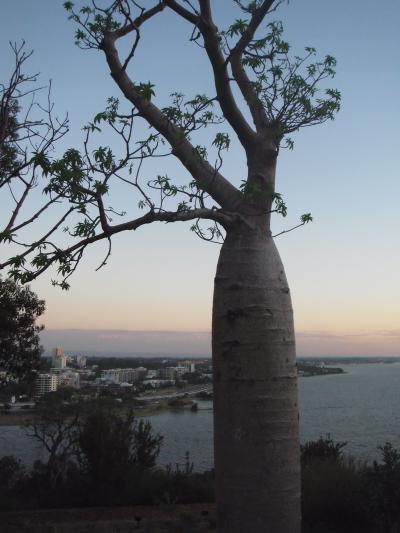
[(309, 343), (157, 342)]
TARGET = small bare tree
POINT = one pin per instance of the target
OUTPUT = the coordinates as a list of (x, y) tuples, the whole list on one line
[(56, 427)]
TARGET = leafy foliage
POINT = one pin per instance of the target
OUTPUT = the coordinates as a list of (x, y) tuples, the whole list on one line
[(288, 87), (9, 160), (282, 91)]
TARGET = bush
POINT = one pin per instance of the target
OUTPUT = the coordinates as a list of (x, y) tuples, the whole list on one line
[(323, 449), (12, 477), (383, 490), (332, 495)]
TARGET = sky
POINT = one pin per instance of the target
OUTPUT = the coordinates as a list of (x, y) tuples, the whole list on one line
[(155, 293)]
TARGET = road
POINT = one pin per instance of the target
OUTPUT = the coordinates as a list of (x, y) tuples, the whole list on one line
[(193, 390)]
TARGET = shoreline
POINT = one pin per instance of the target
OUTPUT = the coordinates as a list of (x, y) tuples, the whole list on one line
[(149, 409), (21, 419)]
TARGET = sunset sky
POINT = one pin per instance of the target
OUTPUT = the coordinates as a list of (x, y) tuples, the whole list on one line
[(343, 268)]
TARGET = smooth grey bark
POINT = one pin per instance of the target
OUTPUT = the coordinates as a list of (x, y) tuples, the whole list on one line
[(255, 389)]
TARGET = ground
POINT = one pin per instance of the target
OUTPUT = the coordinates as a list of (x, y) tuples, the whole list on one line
[(194, 518)]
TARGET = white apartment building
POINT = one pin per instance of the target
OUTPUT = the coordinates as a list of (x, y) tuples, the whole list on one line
[(45, 383), (66, 377), (191, 367), (124, 375), (112, 374)]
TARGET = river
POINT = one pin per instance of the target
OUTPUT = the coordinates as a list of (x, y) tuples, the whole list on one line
[(361, 407)]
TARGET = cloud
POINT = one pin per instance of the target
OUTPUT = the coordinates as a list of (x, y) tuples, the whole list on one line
[(309, 343), (352, 343), (390, 333), (126, 341)]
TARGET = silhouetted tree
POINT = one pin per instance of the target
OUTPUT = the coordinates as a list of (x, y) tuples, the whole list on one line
[(20, 346), (110, 444)]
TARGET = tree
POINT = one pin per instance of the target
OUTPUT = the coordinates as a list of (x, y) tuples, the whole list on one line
[(19, 335), (255, 388), (111, 444)]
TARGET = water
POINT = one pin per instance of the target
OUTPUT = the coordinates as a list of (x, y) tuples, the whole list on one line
[(361, 407)]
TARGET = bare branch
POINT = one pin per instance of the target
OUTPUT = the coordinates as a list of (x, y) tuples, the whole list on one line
[(235, 58), (214, 183), (220, 216), (138, 21), (184, 13), (221, 77)]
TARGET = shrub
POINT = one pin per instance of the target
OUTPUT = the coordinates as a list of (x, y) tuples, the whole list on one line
[(331, 489), (383, 490), (323, 449)]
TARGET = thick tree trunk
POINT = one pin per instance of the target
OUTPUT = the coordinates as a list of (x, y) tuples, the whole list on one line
[(255, 390)]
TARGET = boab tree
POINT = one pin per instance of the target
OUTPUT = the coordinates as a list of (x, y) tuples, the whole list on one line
[(262, 94)]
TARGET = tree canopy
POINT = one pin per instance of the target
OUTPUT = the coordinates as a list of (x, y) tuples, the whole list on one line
[(20, 346), (283, 92)]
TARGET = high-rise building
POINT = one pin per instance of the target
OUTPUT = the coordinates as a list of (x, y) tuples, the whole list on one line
[(59, 358), (45, 383)]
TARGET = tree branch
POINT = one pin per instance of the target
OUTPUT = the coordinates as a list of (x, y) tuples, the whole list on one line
[(180, 10), (235, 58), (221, 77), (213, 182), (138, 21), (222, 217)]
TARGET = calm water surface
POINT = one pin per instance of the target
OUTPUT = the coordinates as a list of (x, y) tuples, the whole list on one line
[(361, 407)]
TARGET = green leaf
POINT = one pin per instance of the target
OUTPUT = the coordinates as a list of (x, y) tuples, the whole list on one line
[(280, 205), (221, 141), (249, 188), (6, 236), (237, 28), (306, 218), (145, 90)]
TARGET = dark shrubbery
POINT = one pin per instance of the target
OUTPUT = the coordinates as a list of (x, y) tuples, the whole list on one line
[(96, 456), (341, 495), (114, 463), (12, 475), (383, 490), (323, 449), (332, 489)]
